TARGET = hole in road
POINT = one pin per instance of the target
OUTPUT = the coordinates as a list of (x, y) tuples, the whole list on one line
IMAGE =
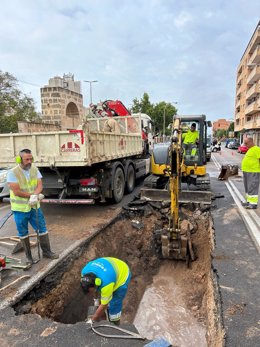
[(165, 298)]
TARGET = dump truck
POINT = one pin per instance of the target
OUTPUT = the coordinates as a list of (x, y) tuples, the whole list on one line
[(93, 162)]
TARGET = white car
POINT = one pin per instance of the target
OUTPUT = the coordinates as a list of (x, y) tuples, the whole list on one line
[(4, 189)]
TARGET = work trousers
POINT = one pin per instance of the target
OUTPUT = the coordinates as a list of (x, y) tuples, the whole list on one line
[(190, 149), (251, 183), (22, 219), (116, 304)]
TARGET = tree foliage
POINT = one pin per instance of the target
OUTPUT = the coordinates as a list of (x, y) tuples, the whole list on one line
[(231, 127), (161, 113), (14, 105)]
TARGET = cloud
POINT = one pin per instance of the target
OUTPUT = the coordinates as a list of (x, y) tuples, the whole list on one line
[(182, 20), (181, 51)]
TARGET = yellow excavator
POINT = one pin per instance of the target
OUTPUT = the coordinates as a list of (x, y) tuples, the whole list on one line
[(168, 171), (193, 166)]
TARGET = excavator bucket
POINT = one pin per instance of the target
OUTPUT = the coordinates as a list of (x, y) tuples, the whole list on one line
[(185, 196), (227, 170)]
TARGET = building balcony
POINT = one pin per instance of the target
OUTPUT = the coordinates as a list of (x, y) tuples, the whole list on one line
[(253, 124), (254, 75), (240, 69), (237, 115), (238, 103), (238, 91), (255, 57), (252, 108), (253, 91), (239, 80)]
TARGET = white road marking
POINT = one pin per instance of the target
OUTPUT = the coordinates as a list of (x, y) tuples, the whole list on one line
[(250, 218)]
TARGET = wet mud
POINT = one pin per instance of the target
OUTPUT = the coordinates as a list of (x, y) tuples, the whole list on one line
[(165, 297)]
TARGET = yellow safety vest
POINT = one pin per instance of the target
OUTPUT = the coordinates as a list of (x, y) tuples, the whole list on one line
[(251, 163), (29, 186), (190, 137)]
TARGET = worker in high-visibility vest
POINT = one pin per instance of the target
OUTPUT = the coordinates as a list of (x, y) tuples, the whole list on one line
[(109, 278), (25, 185), (190, 140), (251, 173)]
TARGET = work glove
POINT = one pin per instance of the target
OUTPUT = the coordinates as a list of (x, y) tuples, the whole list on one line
[(33, 200), (89, 321), (40, 197)]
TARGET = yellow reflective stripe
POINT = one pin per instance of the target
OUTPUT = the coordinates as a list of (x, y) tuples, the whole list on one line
[(105, 299), (253, 199), (115, 317), (19, 201)]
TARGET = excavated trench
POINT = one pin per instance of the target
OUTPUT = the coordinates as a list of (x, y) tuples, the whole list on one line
[(165, 297)]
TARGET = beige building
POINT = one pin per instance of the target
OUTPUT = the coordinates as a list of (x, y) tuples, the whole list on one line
[(247, 104)]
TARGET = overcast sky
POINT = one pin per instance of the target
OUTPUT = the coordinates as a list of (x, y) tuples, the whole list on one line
[(184, 51)]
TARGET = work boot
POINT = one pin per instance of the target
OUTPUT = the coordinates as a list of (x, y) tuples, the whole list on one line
[(244, 203), (46, 248), (27, 248), (116, 322), (251, 207)]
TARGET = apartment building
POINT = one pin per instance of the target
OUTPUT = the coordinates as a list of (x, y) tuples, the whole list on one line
[(247, 104), (220, 124)]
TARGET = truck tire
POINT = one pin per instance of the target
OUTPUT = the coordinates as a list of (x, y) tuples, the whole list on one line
[(118, 185), (130, 179)]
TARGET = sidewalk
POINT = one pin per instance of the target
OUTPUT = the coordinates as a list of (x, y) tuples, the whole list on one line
[(237, 263)]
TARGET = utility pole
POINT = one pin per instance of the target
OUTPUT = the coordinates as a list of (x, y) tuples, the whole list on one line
[(90, 88), (174, 102)]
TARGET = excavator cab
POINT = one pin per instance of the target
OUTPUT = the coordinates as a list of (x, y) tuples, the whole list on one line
[(194, 146), (193, 166)]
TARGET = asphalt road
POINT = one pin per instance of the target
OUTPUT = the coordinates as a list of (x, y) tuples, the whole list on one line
[(235, 260), (236, 256)]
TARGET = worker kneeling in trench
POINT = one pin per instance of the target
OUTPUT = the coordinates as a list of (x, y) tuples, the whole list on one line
[(108, 277)]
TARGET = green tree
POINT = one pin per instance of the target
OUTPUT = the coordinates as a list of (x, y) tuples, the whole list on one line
[(231, 127), (162, 116), (220, 133), (144, 105), (161, 113), (14, 105)]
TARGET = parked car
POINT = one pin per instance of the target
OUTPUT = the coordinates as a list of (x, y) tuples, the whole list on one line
[(208, 152), (242, 149), (4, 189), (228, 141), (233, 145)]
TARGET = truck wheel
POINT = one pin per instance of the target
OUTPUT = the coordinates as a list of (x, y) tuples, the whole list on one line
[(130, 179), (118, 185)]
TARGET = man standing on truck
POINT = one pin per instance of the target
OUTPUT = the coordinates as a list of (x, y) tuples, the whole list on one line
[(109, 277), (25, 185), (190, 140), (251, 173)]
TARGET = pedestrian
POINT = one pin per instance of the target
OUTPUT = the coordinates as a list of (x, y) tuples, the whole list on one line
[(109, 278), (25, 185), (251, 173)]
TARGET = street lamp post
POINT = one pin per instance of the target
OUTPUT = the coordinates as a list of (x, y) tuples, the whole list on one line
[(90, 88), (174, 102)]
